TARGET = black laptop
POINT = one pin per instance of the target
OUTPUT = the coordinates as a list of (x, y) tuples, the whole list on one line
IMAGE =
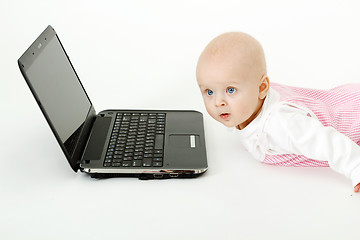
[(112, 143)]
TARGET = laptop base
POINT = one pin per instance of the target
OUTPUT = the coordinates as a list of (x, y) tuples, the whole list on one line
[(145, 176)]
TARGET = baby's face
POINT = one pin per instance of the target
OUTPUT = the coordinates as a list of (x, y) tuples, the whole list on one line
[(230, 94)]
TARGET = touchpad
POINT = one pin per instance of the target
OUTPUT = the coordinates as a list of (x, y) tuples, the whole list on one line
[(184, 140)]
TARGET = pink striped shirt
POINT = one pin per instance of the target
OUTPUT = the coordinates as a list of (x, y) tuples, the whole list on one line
[(338, 108)]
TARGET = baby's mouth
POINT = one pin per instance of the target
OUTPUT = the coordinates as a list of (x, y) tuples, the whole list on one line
[(225, 115)]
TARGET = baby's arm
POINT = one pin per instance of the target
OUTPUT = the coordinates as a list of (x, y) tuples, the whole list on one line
[(326, 143), (304, 135)]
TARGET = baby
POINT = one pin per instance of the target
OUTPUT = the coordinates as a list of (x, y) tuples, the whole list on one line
[(278, 124)]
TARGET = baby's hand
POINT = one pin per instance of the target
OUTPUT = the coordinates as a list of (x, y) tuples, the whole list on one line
[(357, 188)]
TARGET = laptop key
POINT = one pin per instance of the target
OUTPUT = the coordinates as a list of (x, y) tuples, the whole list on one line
[(126, 163), (147, 162), (159, 141), (137, 163), (157, 164), (126, 118)]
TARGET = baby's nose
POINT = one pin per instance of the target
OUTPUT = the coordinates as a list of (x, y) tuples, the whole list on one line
[(220, 101)]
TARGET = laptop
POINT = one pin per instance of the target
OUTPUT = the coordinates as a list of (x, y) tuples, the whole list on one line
[(147, 144)]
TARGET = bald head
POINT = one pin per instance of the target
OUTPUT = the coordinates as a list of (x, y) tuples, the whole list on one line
[(237, 50)]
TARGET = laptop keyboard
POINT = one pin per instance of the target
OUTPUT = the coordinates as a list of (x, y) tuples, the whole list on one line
[(137, 140)]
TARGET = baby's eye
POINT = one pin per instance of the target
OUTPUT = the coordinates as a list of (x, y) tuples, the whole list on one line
[(231, 90), (209, 92)]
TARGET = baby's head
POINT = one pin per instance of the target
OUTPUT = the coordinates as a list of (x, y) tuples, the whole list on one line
[(231, 73)]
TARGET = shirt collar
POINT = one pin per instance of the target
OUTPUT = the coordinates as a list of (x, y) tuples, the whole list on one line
[(271, 99)]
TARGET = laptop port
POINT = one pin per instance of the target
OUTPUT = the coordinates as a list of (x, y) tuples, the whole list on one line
[(174, 175), (158, 175)]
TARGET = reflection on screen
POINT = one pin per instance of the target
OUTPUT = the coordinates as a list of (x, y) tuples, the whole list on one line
[(59, 90)]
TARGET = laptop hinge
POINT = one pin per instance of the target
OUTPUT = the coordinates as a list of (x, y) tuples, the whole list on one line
[(84, 136)]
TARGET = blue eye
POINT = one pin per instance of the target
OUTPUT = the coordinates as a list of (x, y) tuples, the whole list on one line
[(210, 92), (231, 90)]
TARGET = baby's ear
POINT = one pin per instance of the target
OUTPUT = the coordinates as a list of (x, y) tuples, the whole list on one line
[(264, 87)]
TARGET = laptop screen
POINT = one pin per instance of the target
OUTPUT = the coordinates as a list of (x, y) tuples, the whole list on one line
[(58, 89)]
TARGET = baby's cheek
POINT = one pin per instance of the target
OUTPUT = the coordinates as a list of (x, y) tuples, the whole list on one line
[(210, 112)]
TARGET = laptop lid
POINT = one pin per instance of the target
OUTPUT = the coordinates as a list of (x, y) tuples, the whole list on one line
[(59, 93)]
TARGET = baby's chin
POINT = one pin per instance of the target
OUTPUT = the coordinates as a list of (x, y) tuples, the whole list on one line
[(228, 124)]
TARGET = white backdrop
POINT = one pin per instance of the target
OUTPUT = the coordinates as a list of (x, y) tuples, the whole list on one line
[(142, 54)]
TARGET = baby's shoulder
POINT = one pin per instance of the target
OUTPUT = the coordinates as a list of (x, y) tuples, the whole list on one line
[(283, 113), (283, 109)]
